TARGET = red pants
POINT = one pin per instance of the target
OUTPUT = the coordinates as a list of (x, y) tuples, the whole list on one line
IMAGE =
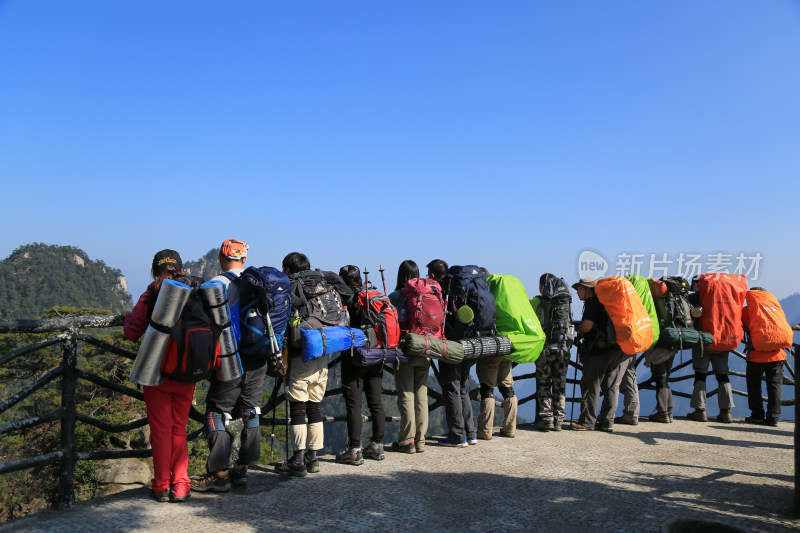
[(168, 407)]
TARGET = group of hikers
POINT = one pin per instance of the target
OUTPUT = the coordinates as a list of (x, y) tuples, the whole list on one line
[(289, 322)]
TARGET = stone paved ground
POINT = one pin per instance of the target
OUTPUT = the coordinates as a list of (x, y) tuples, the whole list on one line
[(634, 480)]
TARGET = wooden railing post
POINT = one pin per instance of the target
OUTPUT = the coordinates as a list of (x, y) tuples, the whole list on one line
[(66, 480)]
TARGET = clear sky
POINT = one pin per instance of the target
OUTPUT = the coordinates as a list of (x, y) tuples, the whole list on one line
[(514, 135)]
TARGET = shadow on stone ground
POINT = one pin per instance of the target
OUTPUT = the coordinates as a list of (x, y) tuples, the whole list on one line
[(634, 480)]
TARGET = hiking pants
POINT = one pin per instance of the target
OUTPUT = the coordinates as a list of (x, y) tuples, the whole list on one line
[(168, 407), (630, 390), (551, 384), (412, 400), (602, 374), (719, 362), (355, 380), (457, 405), (305, 389), (774, 378), (238, 398), (660, 374), (496, 372)]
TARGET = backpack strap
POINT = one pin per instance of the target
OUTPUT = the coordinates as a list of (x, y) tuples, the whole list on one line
[(160, 327)]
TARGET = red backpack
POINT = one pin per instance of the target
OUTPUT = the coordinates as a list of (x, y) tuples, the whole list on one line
[(425, 307), (381, 316), (192, 352), (722, 298)]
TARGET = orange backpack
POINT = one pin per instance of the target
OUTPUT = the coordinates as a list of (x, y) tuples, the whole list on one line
[(765, 320), (722, 298), (631, 320)]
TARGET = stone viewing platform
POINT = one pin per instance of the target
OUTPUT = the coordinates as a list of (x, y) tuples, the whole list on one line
[(637, 479)]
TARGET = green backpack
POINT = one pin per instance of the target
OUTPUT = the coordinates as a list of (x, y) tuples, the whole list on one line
[(516, 319), (642, 287)]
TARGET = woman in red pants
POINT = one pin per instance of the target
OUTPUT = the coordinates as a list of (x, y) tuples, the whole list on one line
[(167, 404)]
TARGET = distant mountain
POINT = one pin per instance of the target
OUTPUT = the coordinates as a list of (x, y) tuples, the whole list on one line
[(206, 267), (791, 306), (36, 277)]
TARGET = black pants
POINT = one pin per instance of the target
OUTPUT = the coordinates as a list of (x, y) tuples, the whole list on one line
[(235, 398), (369, 380), (457, 405), (774, 374), (660, 373)]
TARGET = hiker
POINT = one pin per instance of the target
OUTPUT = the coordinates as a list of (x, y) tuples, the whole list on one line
[(358, 379), (629, 389), (454, 378), (240, 397), (768, 333), (702, 357), (411, 377), (495, 372), (553, 307), (316, 303), (602, 363), (167, 404), (660, 360)]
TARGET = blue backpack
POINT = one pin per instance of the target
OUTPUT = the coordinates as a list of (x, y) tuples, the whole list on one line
[(468, 287), (263, 309)]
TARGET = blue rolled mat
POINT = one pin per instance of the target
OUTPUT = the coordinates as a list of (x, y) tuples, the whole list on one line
[(319, 342)]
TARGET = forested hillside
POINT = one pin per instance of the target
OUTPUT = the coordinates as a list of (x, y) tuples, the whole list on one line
[(206, 267), (37, 276)]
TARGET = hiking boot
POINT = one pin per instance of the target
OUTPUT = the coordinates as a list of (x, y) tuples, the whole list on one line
[(725, 416), (605, 428), (453, 443), (772, 422), (312, 465), (627, 420), (420, 447), (350, 456), (404, 448), (484, 437), (575, 426), (543, 425), (472, 441), (659, 416), (698, 415), (506, 434), (179, 495), (556, 425), (669, 414), (160, 497), (212, 482), (755, 419), (374, 451), (290, 468), (239, 476)]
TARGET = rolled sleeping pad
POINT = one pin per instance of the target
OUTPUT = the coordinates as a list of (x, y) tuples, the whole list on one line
[(363, 356), (319, 342), (448, 351), (486, 347), (215, 297), (171, 300), (683, 338)]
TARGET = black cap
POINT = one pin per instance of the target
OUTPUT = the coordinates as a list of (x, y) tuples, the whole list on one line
[(166, 260)]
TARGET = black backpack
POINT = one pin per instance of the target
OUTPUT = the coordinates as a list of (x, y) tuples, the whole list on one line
[(557, 315), (315, 296), (673, 309), (193, 348), (468, 287)]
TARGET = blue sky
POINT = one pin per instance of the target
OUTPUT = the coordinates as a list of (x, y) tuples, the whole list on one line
[(513, 135)]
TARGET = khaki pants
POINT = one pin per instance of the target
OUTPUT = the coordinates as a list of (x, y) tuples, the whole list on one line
[(412, 401), (306, 383), (496, 372)]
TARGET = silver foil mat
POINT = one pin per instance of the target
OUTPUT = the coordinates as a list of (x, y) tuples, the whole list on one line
[(215, 295), (147, 366)]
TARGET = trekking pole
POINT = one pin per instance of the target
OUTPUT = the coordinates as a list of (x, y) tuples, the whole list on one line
[(380, 269), (366, 280), (574, 380)]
